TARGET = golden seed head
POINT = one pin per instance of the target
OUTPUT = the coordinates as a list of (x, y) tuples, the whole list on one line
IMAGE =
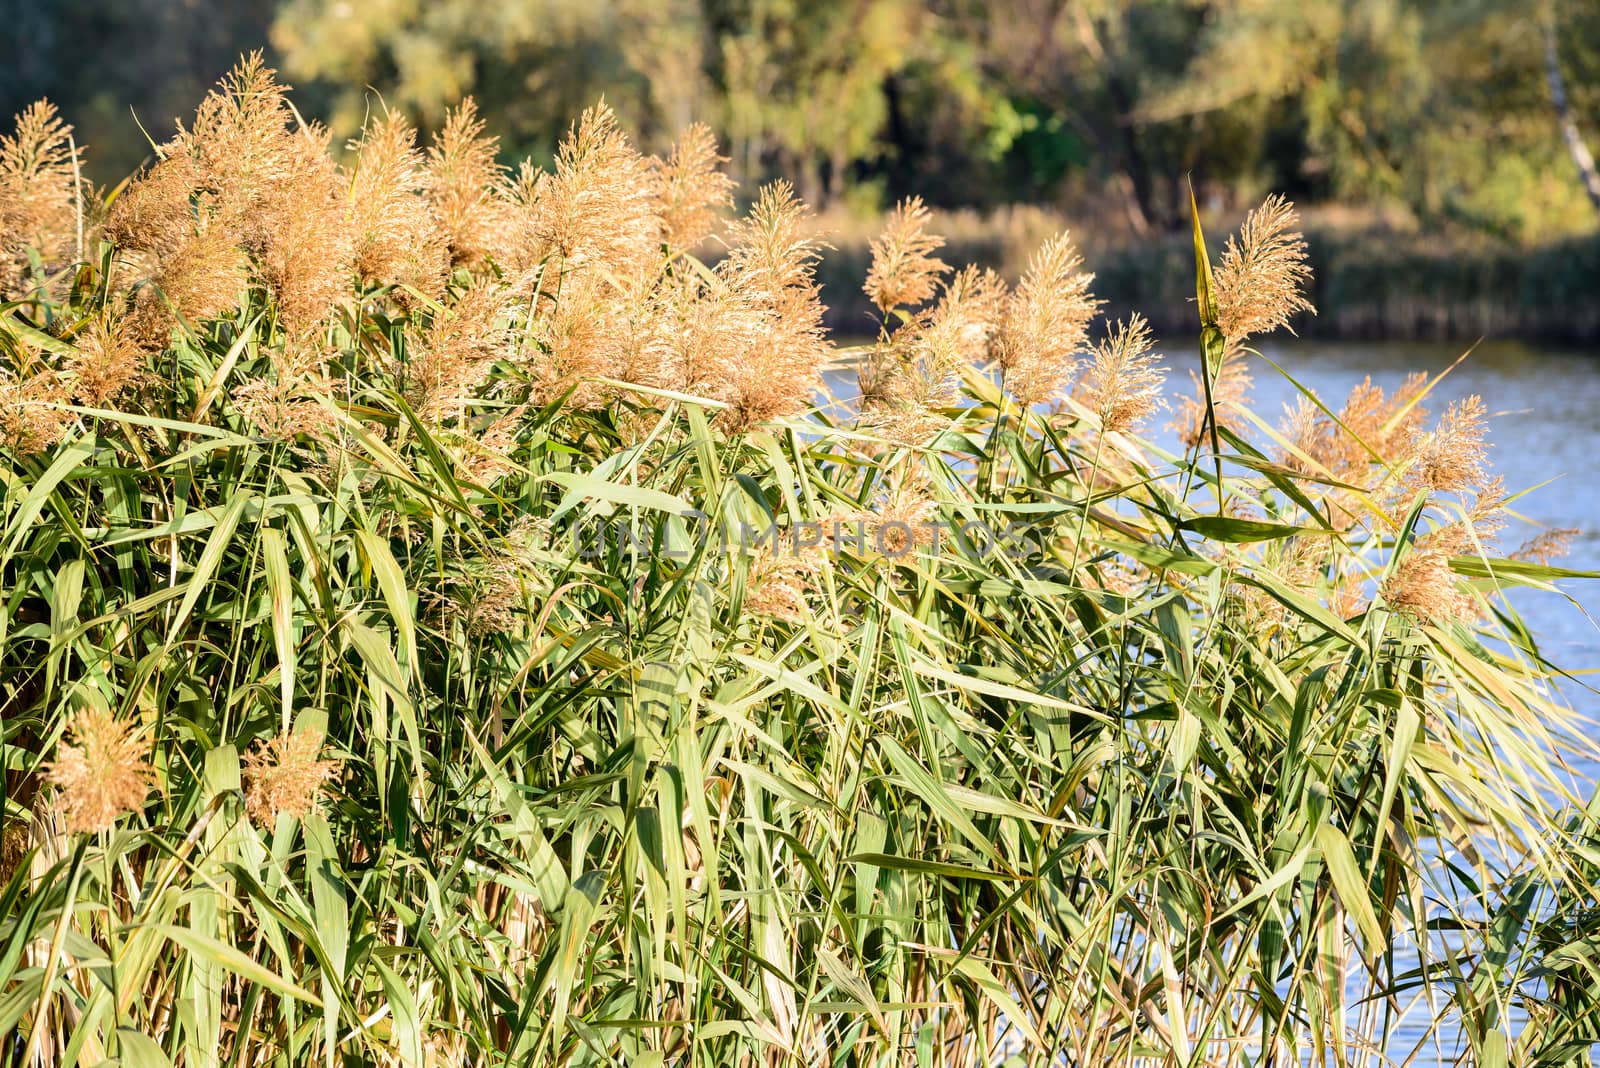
[(692, 189), (1123, 385), (779, 579), (396, 238), (1424, 587), (599, 207), (906, 382), (464, 185), (284, 776), (1263, 271), (106, 361), (300, 234), (904, 271), (201, 279), (1547, 545), (1453, 458), (103, 773), (770, 270), (31, 415), (1046, 323), (40, 194), (454, 353)]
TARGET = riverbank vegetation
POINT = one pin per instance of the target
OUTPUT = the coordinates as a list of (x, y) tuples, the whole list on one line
[(332, 734)]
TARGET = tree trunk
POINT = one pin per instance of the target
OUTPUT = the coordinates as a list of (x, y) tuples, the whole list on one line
[(1579, 151)]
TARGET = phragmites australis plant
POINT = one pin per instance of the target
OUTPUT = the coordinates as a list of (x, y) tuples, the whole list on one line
[(388, 678)]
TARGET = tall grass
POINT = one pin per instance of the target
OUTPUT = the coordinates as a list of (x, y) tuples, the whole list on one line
[(334, 732)]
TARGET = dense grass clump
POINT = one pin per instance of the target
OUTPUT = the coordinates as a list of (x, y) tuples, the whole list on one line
[(388, 678)]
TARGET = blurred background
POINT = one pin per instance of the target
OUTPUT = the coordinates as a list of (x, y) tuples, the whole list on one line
[(1437, 147)]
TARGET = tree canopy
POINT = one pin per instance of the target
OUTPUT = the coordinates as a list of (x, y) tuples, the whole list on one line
[(1433, 111)]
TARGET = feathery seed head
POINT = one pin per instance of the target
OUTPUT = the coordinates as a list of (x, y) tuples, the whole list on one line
[(1123, 384), (1424, 587), (235, 145), (1453, 458), (1547, 545), (31, 415), (905, 382), (1046, 323), (455, 352), (103, 773), (1263, 271), (396, 238), (600, 205), (779, 579), (301, 238), (464, 185), (201, 279), (40, 194), (904, 271), (157, 213), (105, 362), (284, 777), (692, 188), (771, 270)]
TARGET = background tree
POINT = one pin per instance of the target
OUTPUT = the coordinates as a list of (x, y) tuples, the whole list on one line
[(1426, 113)]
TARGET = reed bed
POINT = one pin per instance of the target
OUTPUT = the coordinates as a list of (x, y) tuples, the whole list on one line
[(387, 677)]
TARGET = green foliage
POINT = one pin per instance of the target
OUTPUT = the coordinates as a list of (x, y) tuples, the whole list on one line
[(1437, 110)]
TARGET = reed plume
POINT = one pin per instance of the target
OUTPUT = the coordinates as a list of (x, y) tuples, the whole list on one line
[(1547, 545), (1046, 323), (1452, 458), (465, 187), (598, 209), (1423, 585), (103, 773), (246, 188), (771, 269), (303, 243), (396, 238), (158, 212), (692, 190), (904, 271), (1262, 273), (235, 148), (1123, 383), (284, 777), (200, 279), (40, 195), (778, 580), (31, 416), (1371, 428), (455, 352), (906, 381), (106, 362)]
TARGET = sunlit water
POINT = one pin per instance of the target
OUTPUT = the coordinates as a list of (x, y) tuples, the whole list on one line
[(1544, 432)]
